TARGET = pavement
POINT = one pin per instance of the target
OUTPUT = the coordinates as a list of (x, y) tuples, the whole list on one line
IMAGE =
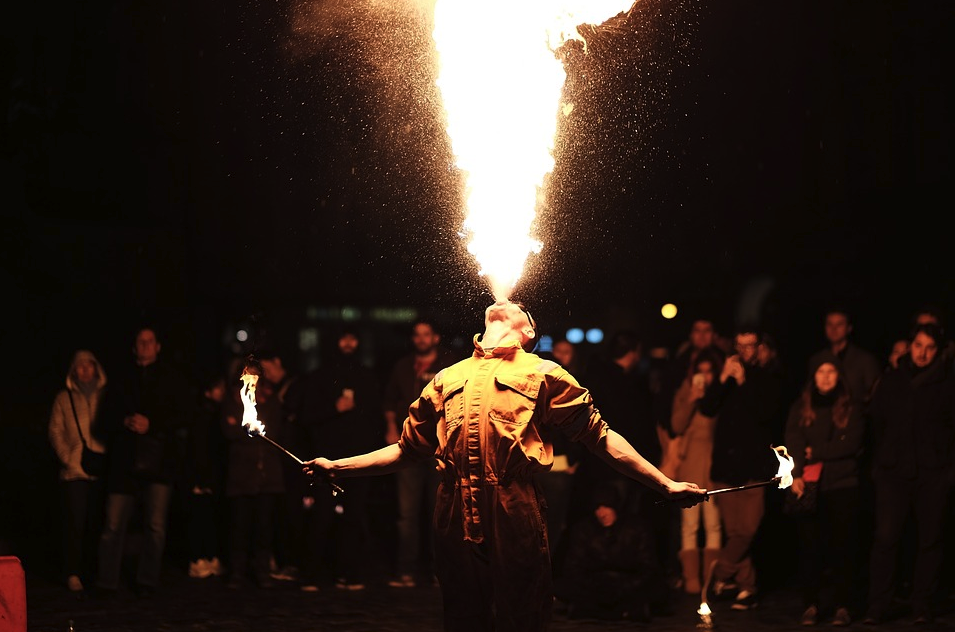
[(188, 605)]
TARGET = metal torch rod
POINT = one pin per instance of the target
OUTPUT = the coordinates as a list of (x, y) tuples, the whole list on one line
[(726, 490), (335, 488)]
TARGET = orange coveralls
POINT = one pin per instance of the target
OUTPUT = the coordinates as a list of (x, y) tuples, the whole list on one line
[(484, 419)]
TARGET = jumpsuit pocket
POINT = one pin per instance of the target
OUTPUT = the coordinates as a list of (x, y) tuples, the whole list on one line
[(515, 399), (452, 395)]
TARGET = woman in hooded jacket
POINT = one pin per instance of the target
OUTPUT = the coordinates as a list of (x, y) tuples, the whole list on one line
[(73, 425)]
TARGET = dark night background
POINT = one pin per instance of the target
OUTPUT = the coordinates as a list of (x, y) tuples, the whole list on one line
[(210, 165)]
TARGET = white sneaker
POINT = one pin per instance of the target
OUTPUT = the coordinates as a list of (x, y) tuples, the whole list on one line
[(199, 569), (74, 584)]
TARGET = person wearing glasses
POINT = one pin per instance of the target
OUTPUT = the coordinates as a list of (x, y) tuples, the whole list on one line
[(485, 419), (744, 402)]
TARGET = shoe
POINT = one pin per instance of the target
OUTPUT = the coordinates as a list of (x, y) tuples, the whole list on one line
[(215, 567), (810, 616), (923, 618), (872, 619), (74, 584), (310, 588), (404, 581), (345, 584), (745, 600), (234, 582), (285, 574), (199, 569), (841, 618)]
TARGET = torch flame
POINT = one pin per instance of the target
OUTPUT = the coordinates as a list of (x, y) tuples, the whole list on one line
[(786, 464), (250, 419), (501, 86)]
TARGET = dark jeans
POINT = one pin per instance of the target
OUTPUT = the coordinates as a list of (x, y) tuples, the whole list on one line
[(895, 500), (828, 554), (82, 523), (154, 499), (251, 519), (415, 488)]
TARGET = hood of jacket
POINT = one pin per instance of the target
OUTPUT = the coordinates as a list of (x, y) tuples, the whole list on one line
[(80, 356)]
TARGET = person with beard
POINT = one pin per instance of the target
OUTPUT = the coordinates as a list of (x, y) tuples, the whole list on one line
[(342, 415), (912, 413), (415, 486)]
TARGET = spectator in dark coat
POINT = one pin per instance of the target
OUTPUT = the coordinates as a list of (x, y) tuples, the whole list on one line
[(254, 484), (342, 416), (744, 401), (144, 408), (913, 418)]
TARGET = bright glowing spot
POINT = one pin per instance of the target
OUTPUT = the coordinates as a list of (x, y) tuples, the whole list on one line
[(250, 419), (574, 335), (668, 311), (501, 86), (242, 335), (595, 336), (786, 465), (704, 609)]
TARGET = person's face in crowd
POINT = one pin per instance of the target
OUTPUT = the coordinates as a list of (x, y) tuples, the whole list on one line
[(147, 347), (606, 516), (707, 370), (348, 344), (701, 334), (923, 350), (273, 369), (85, 371), (826, 377), (837, 328), (563, 353), (746, 348), (424, 339)]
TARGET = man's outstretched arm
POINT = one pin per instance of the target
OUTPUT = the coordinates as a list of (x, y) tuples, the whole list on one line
[(624, 458), (382, 461)]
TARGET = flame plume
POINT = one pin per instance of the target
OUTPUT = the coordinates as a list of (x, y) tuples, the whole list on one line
[(250, 418), (501, 85)]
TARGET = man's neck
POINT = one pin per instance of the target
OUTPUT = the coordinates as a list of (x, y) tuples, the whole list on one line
[(145, 363), (838, 347), (497, 333)]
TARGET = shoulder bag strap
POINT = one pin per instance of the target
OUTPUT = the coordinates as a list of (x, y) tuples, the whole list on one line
[(75, 418)]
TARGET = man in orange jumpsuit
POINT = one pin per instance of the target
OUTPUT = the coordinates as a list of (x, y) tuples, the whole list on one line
[(484, 420)]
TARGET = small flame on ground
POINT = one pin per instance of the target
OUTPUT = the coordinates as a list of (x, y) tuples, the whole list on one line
[(786, 465), (704, 609), (501, 86), (250, 418)]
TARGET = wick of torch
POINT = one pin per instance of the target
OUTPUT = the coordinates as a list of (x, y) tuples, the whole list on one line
[(255, 428)]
